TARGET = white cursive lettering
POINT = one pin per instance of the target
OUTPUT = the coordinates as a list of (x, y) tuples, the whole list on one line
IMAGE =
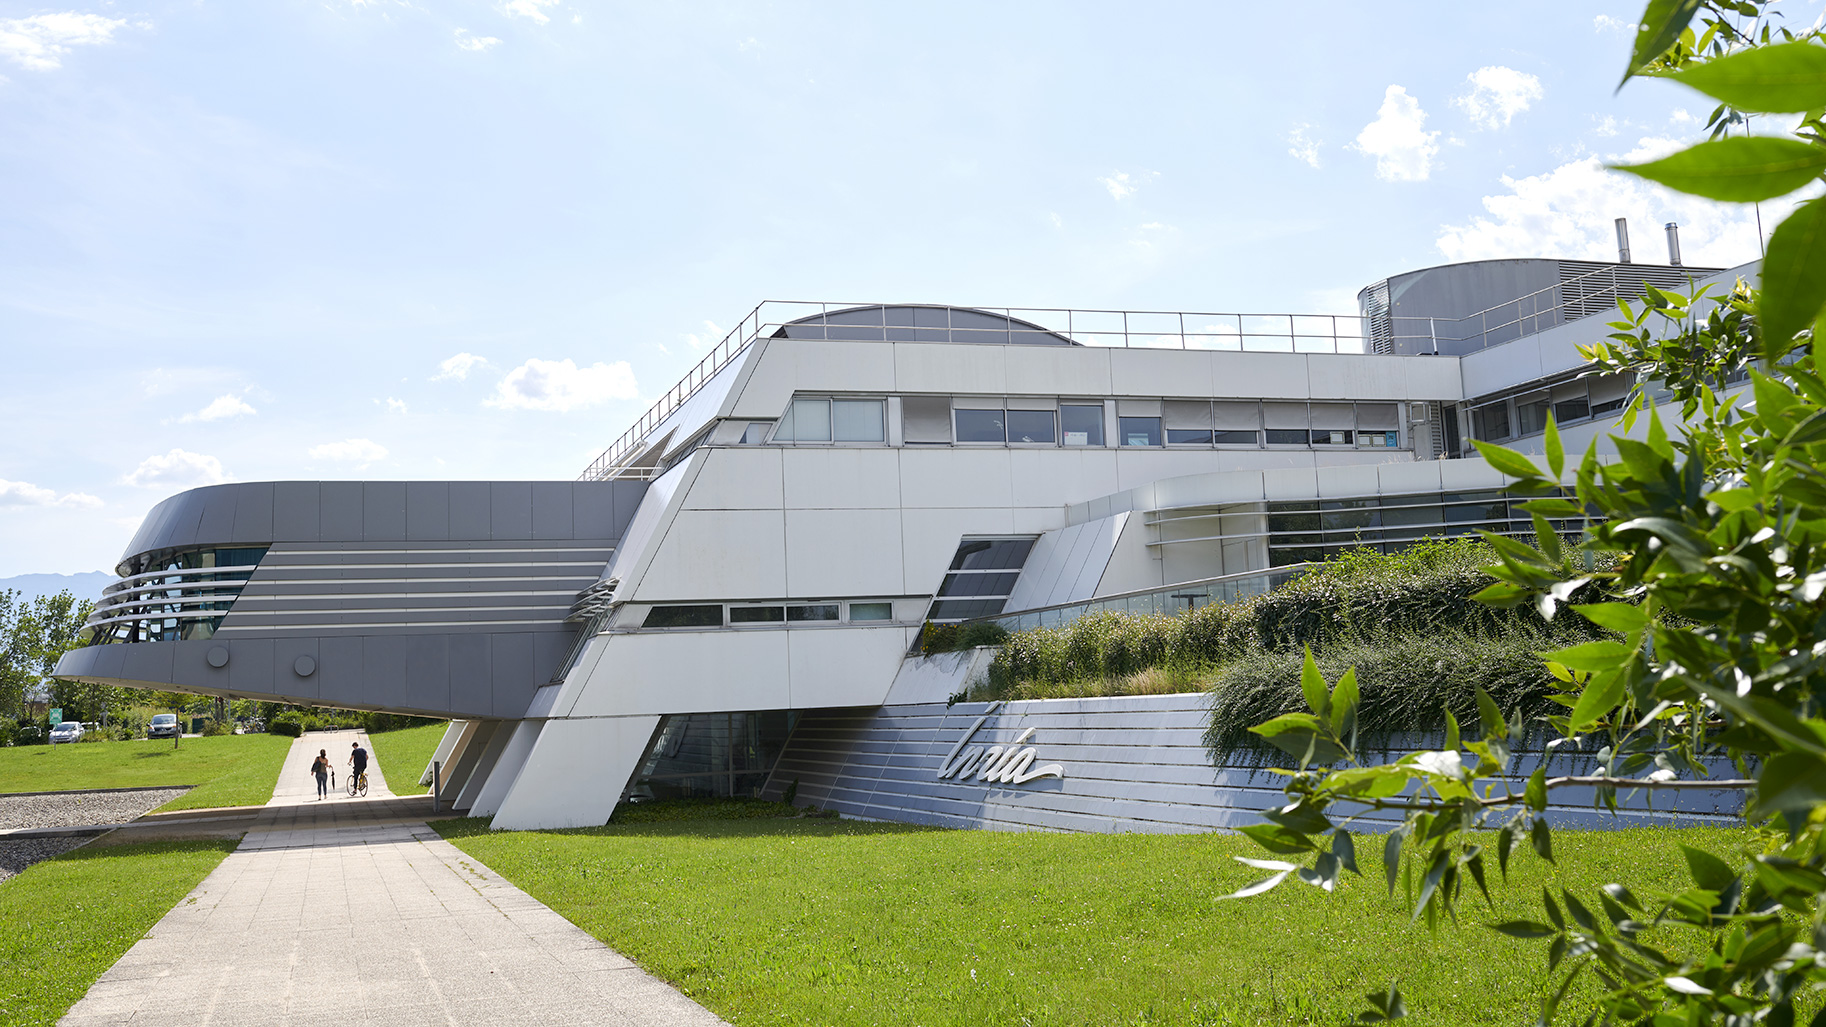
[(996, 764)]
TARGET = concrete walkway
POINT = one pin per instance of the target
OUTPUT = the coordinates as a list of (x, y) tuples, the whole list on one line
[(323, 916)]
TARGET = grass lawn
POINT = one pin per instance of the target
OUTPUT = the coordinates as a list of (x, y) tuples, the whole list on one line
[(227, 770), (403, 754), (835, 922), (65, 921)]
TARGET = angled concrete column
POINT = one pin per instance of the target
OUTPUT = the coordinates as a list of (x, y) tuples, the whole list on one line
[(575, 773), (452, 735), (463, 761), (478, 775), (507, 768)]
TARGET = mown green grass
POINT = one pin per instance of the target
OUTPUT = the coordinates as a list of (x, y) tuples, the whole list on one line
[(226, 770), (403, 754), (63, 922), (822, 922)]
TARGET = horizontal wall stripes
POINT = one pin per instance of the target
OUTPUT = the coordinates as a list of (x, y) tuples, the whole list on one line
[(357, 588), (1130, 764)]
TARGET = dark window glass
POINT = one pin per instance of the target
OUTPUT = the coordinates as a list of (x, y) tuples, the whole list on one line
[(1572, 410), (1082, 423), (964, 609), (984, 554), (1532, 416), (1190, 437), (1239, 438), (1410, 515), (1288, 436), (1030, 426), (1323, 437), (1139, 431), (980, 426), (813, 611), (871, 611), (1608, 406), (1293, 522), (685, 617), (1491, 423), (756, 614), (1478, 512), (1345, 519), (978, 584)]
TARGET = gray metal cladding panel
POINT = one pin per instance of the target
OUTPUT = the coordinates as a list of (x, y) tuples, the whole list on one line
[(469, 510), (254, 513), (250, 664), (286, 652), (472, 684), (427, 511), (512, 658), (553, 516), (146, 661), (295, 511), (1130, 764), (510, 509), (339, 509), (428, 672), (383, 511), (593, 509), (549, 651), (628, 497), (383, 669)]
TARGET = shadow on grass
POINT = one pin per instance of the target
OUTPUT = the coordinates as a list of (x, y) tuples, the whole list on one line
[(770, 827), (129, 850)]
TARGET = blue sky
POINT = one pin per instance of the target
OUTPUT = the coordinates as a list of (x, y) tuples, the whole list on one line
[(474, 240)]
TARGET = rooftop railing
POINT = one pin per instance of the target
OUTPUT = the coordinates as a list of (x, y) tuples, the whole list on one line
[(1171, 599)]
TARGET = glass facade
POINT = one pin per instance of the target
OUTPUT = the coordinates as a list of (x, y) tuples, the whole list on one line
[(717, 755), (981, 577), (172, 595)]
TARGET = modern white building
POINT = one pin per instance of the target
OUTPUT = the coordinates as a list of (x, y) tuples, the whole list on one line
[(765, 545)]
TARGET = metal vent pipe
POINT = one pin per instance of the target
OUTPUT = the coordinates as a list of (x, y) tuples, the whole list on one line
[(1673, 243), (1622, 240)]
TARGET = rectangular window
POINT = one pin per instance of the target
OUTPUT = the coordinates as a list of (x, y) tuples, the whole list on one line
[(811, 420), (1288, 436), (1531, 413), (926, 418), (1082, 423), (1189, 436), (871, 611), (1139, 431), (977, 584), (981, 426), (756, 614), (1332, 437), (964, 609), (858, 420), (756, 433), (1378, 416), (997, 554), (684, 617), (1030, 426), (1491, 423), (1609, 392), (813, 611), (1238, 438)]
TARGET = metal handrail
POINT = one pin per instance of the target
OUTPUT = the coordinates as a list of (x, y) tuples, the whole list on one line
[(1060, 614)]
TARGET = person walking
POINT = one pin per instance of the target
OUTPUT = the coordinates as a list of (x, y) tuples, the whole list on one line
[(320, 768)]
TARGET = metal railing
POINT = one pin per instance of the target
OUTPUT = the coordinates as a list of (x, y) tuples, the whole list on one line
[(1170, 599), (1127, 329)]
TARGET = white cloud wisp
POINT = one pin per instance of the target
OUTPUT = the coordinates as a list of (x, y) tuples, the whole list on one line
[(529, 9), (24, 493), (351, 451), (1398, 139), (1497, 95), (474, 44), (219, 408), (458, 367), (42, 41), (1302, 147), (178, 469), (560, 385)]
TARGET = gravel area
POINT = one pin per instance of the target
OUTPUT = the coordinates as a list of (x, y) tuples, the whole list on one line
[(16, 855), (81, 809)]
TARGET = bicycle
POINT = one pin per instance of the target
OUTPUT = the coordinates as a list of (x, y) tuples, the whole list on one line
[(358, 784)]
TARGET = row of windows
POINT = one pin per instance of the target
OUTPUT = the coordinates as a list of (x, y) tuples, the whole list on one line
[(1044, 422), (716, 615), (981, 578), (1526, 414), (1312, 530)]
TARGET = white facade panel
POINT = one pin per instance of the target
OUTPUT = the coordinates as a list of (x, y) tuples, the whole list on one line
[(1055, 477), (929, 539), (575, 773), (1162, 372), (738, 478), (825, 478), (1260, 376), (842, 553), (950, 368), (844, 668), (718, 554), (1351, 376), (956, 478), (682, 671), (1058, 371)]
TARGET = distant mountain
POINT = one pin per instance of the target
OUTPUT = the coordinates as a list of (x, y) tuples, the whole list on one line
[(82, 586)]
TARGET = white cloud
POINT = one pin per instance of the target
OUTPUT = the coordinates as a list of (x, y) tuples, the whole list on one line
[(1403, 149), (41, 41), (529, 9), (1122, 185), (395, 406), (458, 367), (1302, 147), (178, 469), (710, 337), (219, 408), (1497, 95), (355, 451), (1679, 116), (1569, 212), (1606, 23), (561, 385), (1607, 126), (24, 493), (475, 44), (1057, 221)]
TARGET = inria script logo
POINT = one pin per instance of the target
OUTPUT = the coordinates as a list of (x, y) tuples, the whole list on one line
[(997, 764)]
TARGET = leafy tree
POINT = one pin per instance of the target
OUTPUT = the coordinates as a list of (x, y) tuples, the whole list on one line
[(33, 636), (1715, 585)]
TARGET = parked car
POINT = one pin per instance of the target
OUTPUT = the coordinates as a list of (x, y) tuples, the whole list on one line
[(68, 731), (164, 725)]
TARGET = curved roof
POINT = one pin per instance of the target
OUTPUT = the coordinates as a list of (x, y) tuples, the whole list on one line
[(920, 323)]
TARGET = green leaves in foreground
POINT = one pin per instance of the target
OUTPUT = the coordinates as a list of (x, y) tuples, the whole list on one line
[(1794, 273), (1787, 77), (1662, 23), (1740, 170)]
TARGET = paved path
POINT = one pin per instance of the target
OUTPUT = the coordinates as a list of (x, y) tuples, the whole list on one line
[(324, 916)]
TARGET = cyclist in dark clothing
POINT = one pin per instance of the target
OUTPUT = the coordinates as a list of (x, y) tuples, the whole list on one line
[(358, 757)]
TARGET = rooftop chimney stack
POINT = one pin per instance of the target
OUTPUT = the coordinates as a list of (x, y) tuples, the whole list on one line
[(1622, 240), (1673, 243)]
